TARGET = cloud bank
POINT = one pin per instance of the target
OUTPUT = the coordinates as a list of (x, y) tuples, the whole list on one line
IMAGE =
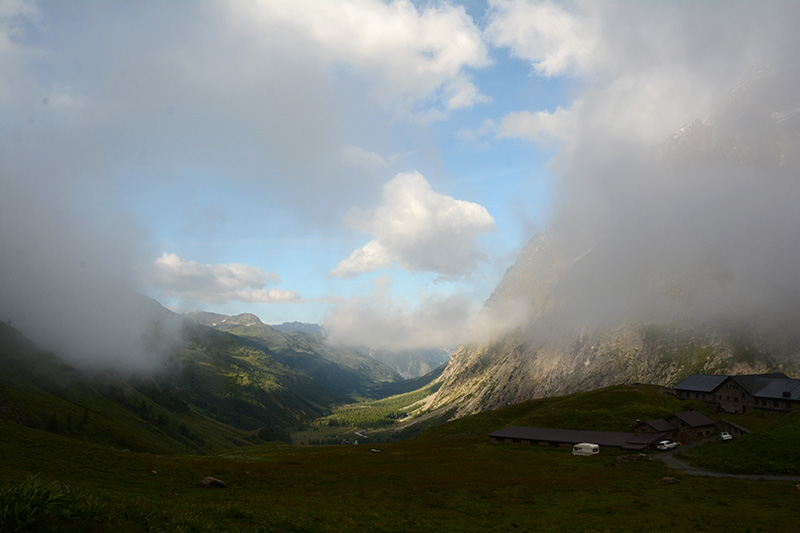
[(100, 100), (378, 320), (103, 101), (677, 168)]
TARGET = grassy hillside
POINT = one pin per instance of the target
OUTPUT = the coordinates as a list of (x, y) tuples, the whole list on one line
[(367, 421), (242, 385), (341, 370), (447, 479), (215, 393), (770, 449), (38, 390)]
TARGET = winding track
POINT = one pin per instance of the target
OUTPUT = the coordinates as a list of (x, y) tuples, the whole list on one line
[(686, 468)]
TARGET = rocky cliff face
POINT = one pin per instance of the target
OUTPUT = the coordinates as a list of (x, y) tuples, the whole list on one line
[(552, 354), (560, 339), (518, 367)]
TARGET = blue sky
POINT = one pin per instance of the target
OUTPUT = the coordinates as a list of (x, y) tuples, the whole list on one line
[(329, 162), (217, 204)]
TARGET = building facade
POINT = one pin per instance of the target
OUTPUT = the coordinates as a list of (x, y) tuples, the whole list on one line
[(740, 394)]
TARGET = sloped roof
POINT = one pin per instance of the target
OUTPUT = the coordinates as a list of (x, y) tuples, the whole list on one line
[(776, 388), (701, 383), (770, 386), (694, 419), (660, 424), (646, 438), (629, 441), (753, 383)]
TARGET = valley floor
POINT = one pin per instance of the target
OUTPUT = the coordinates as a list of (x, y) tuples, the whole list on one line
[(446, 482)]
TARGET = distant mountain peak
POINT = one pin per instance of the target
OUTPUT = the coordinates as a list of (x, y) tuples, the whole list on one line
[(223, 322), (303, 327)]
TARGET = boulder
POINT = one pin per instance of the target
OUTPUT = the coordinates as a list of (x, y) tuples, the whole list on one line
[(212, 483)]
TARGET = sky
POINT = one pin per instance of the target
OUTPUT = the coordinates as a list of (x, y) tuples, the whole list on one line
[(373, 166)]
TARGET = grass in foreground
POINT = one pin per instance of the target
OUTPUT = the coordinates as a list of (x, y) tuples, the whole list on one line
[(449, 481)]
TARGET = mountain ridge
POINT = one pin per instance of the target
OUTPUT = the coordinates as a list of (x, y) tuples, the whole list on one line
[(577, 317)]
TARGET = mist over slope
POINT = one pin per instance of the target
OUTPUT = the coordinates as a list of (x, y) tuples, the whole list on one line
[(675, 259), (340, 369), (216, 392)]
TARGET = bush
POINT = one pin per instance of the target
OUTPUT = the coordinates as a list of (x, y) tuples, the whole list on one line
[(46, 507)]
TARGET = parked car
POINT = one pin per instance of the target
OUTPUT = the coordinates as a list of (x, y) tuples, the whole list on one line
[(725, 436), (666, 445)]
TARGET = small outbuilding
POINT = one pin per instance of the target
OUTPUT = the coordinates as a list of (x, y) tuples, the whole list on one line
[(683, 427), (692, 425)]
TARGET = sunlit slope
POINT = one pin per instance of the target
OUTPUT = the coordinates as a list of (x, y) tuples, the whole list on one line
[(214, 392), (342, 370), (240, 384), (39, 390)]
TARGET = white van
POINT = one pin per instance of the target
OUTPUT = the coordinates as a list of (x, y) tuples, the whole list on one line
[(585, 448)]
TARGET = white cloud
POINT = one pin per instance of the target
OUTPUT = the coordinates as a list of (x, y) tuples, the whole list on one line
[(14, 15), (418, 229), (411, 55), (554, 39), (640, 70), (461, 93), (190, 280), (357, 157), (379, 320), (653, 67), (540, 126)]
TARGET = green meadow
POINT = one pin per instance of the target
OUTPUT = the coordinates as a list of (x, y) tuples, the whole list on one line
[(449, 478)]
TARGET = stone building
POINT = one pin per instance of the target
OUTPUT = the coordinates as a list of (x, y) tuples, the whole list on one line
[(683, 427), (739, 394)]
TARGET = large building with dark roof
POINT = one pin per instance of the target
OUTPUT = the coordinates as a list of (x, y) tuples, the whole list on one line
[(570, 437), (683, 427), (739, 394)]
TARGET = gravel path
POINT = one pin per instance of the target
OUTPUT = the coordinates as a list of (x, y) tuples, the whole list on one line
[(683, 466)]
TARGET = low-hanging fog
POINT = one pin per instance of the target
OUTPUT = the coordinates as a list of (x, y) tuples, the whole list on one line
[(677, 169), (702, 225)]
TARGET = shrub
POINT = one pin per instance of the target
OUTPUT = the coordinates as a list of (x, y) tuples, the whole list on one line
[(46, 506)]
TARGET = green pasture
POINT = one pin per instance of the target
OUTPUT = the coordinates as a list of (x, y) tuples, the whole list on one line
[(448, 479)]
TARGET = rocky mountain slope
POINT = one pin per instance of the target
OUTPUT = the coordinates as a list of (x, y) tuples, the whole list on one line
[(341, 370), (212, 393), (368, 365), (303, 327), (410, 364), (570, 328)]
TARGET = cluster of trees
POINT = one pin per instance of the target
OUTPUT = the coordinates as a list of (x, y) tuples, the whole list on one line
[(68, 426), (164, 422), (364, 417), (380, 413)]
